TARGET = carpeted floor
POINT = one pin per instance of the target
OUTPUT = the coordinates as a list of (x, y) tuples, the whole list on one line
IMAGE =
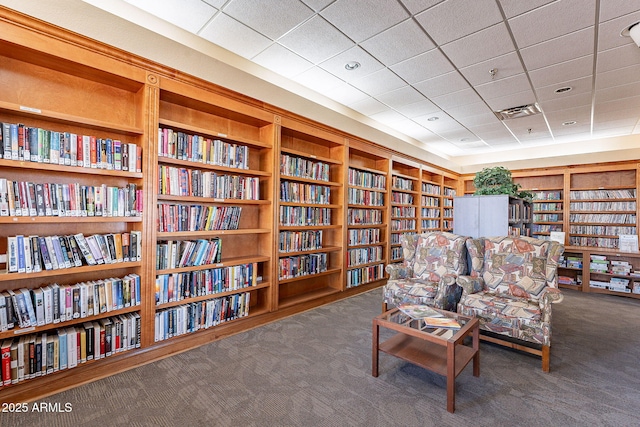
[(314, 369)]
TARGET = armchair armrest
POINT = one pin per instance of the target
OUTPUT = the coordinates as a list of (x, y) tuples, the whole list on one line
[(470, 285), (398, 271)]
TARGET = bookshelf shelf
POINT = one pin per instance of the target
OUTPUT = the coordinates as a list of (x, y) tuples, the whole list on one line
[(229, 262), (48, 167), (58, 219), (10, 277), (259, 285)]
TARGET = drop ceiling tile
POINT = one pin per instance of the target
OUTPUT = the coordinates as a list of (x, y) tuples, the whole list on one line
[(521, 125), (562, 72), (609, 32), (397, 98), (418, 109), (624, 106), (290, 13), (505, 142), (610, 9), (513, 8), (618, 77), (619, 57), (234, 36), (524, 136), (417, 6), (316, 40), (346, 94), (359, 20), (553, 20), (480, 46), (581, 115), (494, 128), (454, 19), (582, 134), (215, 3), (369, 106), (445, 83), (445, 147), (456, 99), (606, 132), (318, 79), (505, 66), (411, 128), (190, 15), (460, 136), (583, 130), (576, 100), (513, 100), (443, 124), (398, 43), (578, 86), (473, 109), (422, 67), (560, 49), (503, 87), (317, 5), (477, 120), (388, 117), (617, 93), (282, 61), (336, 65), (477, 144), (379, 82)]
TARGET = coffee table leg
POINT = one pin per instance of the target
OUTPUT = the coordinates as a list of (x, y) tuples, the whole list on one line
[(451, 377), (374, 349)]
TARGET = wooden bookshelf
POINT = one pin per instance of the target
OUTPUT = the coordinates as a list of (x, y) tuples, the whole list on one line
[(367, 206), (431, 204), (450, 189), (548, 202), (405, 202), (312, 161)]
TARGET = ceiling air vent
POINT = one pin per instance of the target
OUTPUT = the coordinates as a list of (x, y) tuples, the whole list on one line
[(515, 112)]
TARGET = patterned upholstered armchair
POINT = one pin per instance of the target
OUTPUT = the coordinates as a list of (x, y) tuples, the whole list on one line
[(511, 286), (432, 262)]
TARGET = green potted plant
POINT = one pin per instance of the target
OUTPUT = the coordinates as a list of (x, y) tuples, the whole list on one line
[(498, 180)]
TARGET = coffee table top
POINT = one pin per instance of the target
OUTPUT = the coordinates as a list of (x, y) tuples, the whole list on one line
[(399, 320)]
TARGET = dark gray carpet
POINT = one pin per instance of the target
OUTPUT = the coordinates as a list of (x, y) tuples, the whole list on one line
[(314, 369)]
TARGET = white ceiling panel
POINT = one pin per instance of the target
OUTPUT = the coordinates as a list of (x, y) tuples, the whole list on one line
[(578, 86), (379, 82), (609, 34), (398, 43), (445, 83), (190, 15), (369, 106), (400, 97), (360, 19), (316, 5), (318, 80), (618, 77), (234, 36), (567, 102), (479, 47), (553, 20), (417, 6), (388, 117), (619, 57), (346, 94), (560, 49), (503, 87), (512, 100), (456, 99), (291, 13), (493, 69), (581, 115), (513, 8), (562, 72), (477, 120), (455, 19), (281, 60), (473, 109), (423, 67), (617, 93), (418, 109), (316, 40), (337, 64), (610, 9)]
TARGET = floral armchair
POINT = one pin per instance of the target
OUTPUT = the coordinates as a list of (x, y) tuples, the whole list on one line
[(511, 286), (427, 276)]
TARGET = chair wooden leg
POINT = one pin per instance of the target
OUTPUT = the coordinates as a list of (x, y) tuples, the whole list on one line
[(384, 306), (545, 358)]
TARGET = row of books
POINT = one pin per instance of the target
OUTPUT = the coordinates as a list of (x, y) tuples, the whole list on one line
[(606, 230), (447, 203), (447, 213), (365, 197), (188, 318), (52, 304), (363, 275), (615, 284), (602, 194), (430, 212), (545, 228), (195, 148), (20, 198), (518, 212), (35, 355), (399, 183), (430, 223), (547, 217), (296, 241), (571, 261), (298, 192), (179, 217), (403, 211), (188, 253), (302, 265), (181, 286), (431, 202), (603, 206), (401, 198), (32, 254), (598, 242), (301, 167), (175, 181), (542, 207), (547, 195), (364, 216), (403, 224), (430, 188), (604, 218), (367, 255), (32, 144), (303, 216), (396, 254), (367, 179), (364, 236)]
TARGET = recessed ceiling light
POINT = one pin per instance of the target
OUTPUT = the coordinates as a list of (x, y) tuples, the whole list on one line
[(569, 123), (432, 119), (563, 89), (632, 31), (350, 66)]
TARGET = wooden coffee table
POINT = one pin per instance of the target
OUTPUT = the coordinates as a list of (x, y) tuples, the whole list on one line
[(443, 351)]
